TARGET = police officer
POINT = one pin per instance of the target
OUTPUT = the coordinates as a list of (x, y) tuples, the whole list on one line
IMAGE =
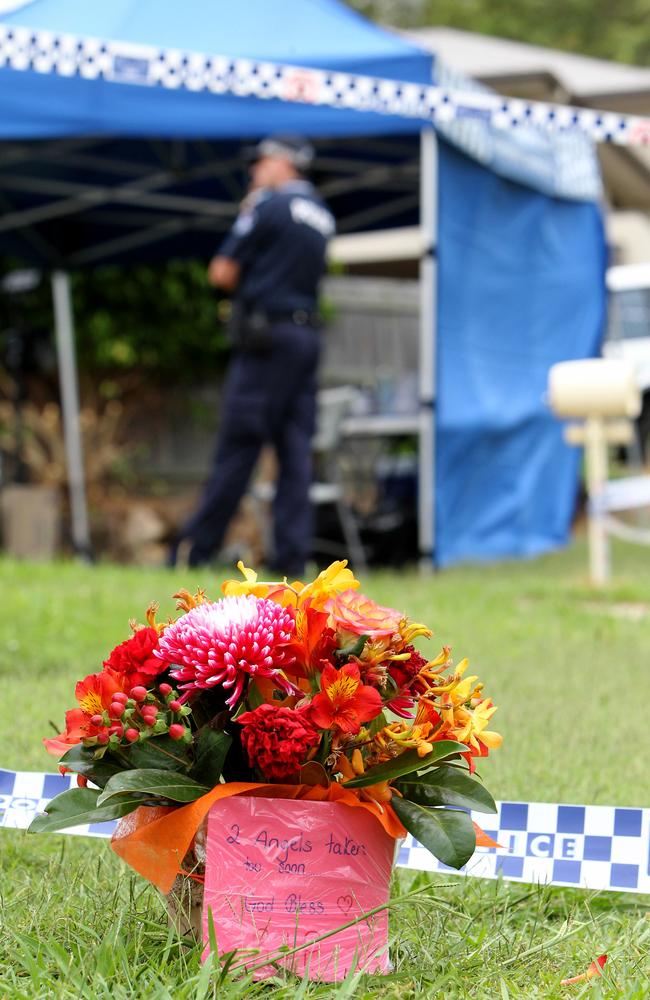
[(271, 262)]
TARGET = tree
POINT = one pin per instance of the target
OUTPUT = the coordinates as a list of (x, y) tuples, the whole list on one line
[(158, 320), (609, 29)]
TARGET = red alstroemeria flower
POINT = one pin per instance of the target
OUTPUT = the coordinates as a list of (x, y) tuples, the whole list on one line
[(358, 614), (94, 694), (344, 702), (135, 659), (402, 705)]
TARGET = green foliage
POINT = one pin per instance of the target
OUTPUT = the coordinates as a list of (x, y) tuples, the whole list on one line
[(158, 752), (354, 649), (82, 760), (211, 748), (600, 28), (156, 770), (406, 763), (447, 786), (155, 319), (132, 786), (447, 833), (77, 805), (162, 319)]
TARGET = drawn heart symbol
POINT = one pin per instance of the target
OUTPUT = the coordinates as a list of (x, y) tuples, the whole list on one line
[(345, 903)]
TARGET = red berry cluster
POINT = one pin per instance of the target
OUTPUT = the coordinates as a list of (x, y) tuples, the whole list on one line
[(139, 715)]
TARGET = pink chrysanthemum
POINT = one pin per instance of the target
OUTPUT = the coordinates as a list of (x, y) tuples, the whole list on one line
[(224, 642)]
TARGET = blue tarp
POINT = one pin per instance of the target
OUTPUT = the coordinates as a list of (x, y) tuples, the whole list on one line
[(521, 287), (521, 276)]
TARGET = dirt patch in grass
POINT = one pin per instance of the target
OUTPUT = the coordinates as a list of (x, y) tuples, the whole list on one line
[(625, 610)]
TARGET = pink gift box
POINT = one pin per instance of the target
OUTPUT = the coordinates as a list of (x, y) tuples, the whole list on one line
[(283, 872)]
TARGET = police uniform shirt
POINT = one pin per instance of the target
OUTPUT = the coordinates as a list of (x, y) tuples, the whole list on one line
[(280, 242)]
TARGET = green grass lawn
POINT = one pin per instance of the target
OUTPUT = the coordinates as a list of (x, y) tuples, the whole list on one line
[(567, 667)]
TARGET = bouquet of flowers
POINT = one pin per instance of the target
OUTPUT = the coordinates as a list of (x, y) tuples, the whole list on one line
[(305, 691)]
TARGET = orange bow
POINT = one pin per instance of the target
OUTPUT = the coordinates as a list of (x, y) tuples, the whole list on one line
[(154, 840)]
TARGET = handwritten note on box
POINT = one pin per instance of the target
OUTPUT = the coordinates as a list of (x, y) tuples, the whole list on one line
[(281, 872)]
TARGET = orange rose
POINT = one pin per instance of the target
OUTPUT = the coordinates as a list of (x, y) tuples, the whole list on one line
[(358, 614)]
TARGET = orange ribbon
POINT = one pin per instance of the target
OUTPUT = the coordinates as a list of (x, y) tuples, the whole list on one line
[(483, 839), (154, 840)]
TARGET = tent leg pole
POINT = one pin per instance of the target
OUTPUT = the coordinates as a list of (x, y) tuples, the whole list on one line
[(64, 327), (427, 348), (596, 462)]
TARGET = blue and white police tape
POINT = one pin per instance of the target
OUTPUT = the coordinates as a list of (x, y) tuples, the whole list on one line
[(27, 49), (590, 847)]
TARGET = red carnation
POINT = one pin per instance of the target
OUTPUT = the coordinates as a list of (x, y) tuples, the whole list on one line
[(277, 740), (134, 659)]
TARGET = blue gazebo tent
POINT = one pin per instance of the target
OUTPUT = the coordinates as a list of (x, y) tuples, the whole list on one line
[(120, 126)]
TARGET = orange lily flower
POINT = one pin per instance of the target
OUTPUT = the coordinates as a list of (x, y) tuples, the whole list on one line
[(397, 737), (312, 640)]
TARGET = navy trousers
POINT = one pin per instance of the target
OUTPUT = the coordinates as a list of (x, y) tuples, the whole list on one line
[(270, 398)]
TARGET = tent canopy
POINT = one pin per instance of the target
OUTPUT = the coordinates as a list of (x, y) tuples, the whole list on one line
[(144, 165), (256, 29), (139, 153), (150, 40)]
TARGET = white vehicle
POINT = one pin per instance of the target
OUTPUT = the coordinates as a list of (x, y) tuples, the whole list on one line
[(628, 332)]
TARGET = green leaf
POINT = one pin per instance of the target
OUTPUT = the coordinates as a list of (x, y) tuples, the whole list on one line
[(78, 805), (447, 786), (354, 649), (254, 696), (177, 787), (82, 760), (211, 748), (159, 753), (406, 763), (447, 833)]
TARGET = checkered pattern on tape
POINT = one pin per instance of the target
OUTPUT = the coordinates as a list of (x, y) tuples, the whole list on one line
[(570, 165), (593, 847), (24, 794), (90, 58)]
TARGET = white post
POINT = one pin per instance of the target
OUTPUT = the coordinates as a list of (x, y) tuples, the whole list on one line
[(596, 471), (428, 332), (64, 326)]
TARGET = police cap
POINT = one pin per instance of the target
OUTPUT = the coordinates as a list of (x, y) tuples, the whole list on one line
[(290, 147)]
